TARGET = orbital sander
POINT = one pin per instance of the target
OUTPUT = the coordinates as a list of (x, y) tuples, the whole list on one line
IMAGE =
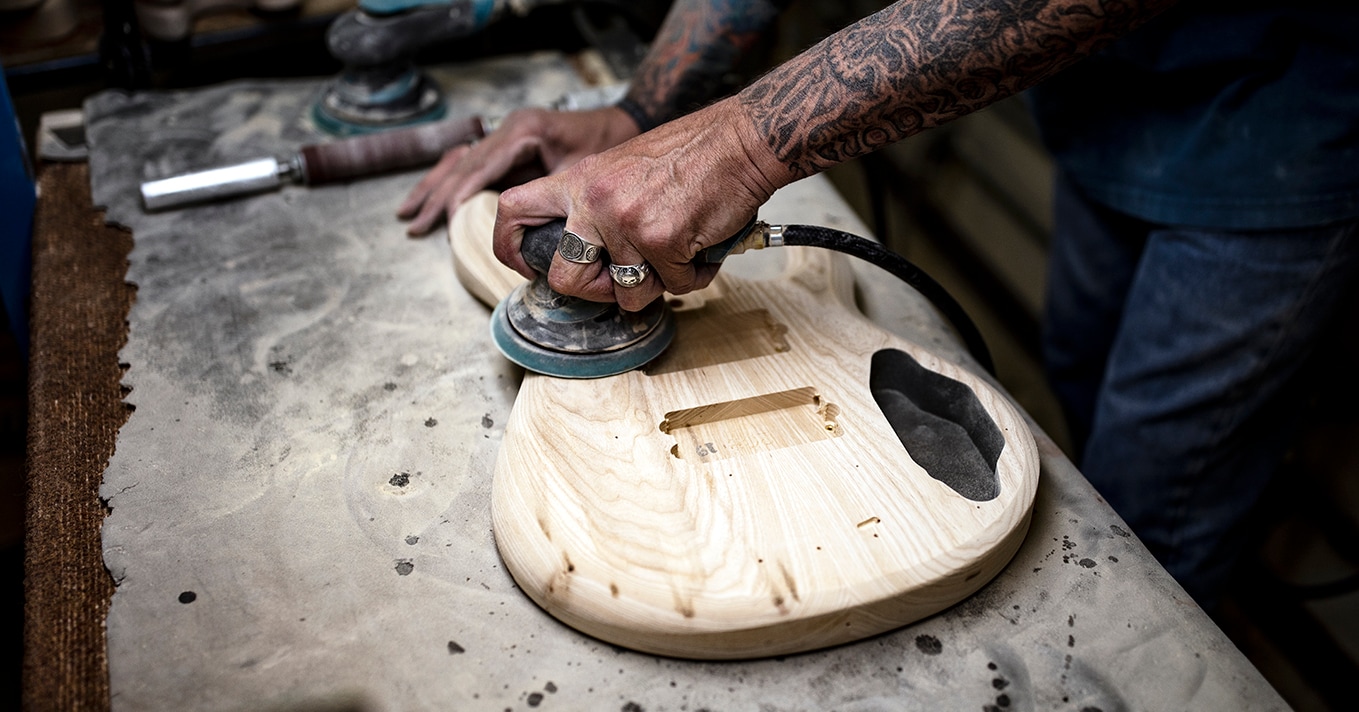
[(381, 87), (558, 335)]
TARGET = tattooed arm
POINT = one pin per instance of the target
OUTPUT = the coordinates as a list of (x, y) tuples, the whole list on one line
[(698, 43), (662, 196), (921, 63)]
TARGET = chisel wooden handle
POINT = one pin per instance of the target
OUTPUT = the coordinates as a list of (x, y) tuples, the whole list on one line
[(376, 153)]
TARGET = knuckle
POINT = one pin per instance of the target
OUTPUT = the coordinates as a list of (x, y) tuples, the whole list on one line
[(512, 201), (529, 120), (632, 216), (595, 192)]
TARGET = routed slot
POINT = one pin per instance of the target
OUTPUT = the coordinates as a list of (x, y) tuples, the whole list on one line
[(940, 421), (755, 424)]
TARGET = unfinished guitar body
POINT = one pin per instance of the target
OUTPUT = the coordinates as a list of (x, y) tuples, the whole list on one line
[(787, 476)]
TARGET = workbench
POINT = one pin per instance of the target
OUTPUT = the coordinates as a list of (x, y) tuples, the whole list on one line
[(297, 504)]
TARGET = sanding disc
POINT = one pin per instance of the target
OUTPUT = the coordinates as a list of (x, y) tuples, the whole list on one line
[(361, 102), (577, 363)]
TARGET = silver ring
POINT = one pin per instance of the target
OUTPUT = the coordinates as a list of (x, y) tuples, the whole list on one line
[(629, 275), (574, 248)]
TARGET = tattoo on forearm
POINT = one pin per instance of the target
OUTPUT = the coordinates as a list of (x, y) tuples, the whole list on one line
[(700, 41), (921, 63)]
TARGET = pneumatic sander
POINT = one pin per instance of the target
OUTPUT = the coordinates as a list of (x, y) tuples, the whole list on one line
[(380, 86), (568, 337)]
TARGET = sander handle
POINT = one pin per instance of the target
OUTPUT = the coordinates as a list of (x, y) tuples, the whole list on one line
[(540, 244)]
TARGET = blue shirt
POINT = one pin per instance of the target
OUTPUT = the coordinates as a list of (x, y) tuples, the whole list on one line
[(1230, 115)]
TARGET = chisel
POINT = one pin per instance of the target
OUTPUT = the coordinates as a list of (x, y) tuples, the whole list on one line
[(349, 158), (317, 164)]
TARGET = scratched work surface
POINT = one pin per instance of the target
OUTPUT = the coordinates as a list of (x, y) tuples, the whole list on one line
[(299, 505)]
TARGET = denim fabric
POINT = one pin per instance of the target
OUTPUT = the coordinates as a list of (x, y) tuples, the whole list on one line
[(1179, 356), (1231, 114), (17, 198)]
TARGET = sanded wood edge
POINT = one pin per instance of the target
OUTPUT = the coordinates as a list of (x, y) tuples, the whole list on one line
[(474, 262), (552, 587), (801, 634)]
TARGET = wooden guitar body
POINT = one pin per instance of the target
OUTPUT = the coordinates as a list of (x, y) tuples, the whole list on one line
[(786, 476)]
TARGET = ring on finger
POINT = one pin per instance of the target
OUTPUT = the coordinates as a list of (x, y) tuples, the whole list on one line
[(574, 248), (629, 275)]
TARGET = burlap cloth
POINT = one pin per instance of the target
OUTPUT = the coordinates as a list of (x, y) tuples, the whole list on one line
[(79, 312)]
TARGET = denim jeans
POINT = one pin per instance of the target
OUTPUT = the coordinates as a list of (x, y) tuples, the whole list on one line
[(1179, 356)]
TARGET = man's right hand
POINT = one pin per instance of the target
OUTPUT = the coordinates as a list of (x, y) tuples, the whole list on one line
[(555, 140), (656, 199)]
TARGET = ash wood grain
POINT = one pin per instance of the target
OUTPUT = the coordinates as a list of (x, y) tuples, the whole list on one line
[(744, 495)]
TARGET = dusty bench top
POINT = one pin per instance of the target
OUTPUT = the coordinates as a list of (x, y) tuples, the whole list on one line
[(299, 503)]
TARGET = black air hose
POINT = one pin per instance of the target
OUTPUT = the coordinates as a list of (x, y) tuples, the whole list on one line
[(540, 245), (874, 252)]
